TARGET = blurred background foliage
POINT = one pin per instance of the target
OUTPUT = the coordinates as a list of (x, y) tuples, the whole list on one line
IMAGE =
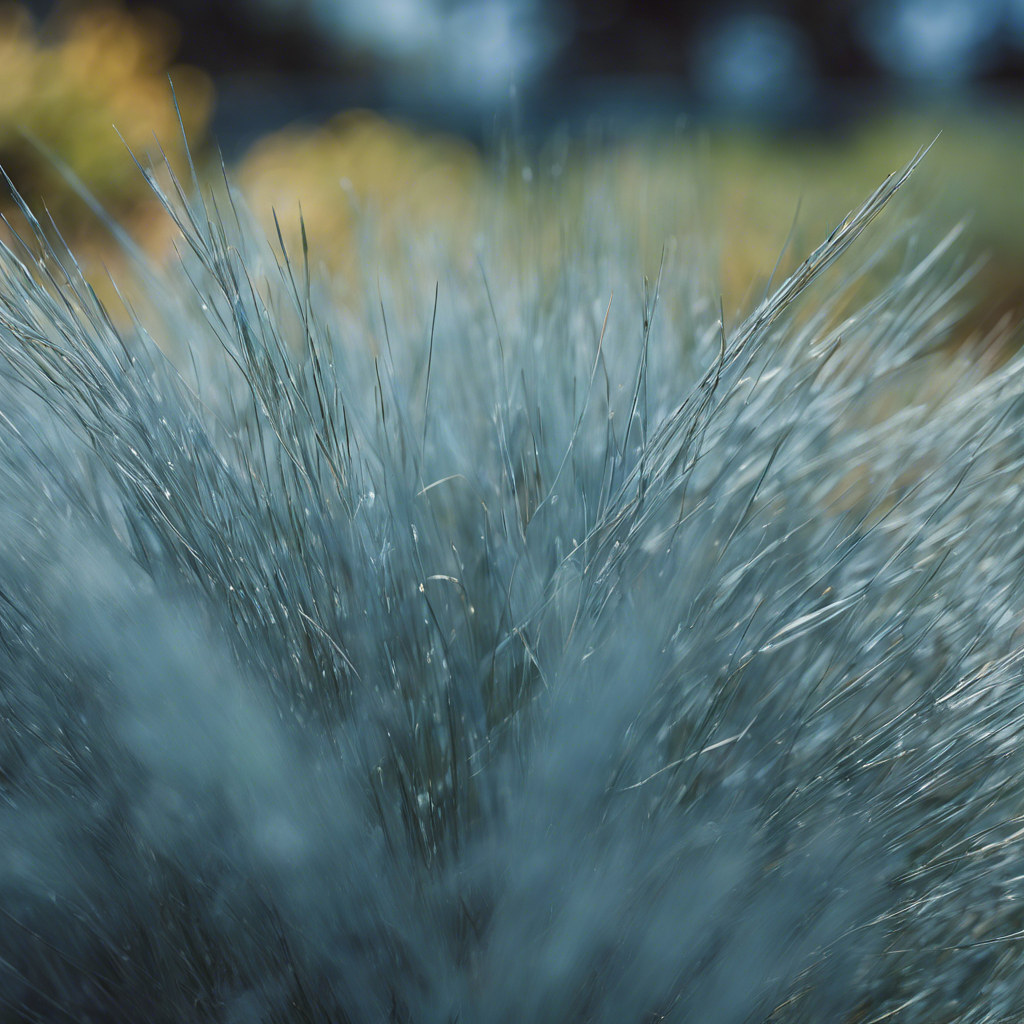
[(360, 169), (65, 85), (735, 134)]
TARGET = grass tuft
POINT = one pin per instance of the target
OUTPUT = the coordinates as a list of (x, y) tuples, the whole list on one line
[(506, 648)]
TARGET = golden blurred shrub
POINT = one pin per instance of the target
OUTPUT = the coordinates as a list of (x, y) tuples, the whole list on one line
[(361, 173), (69, 83)]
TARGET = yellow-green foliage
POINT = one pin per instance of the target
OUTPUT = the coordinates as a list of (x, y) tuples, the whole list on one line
[(70, 82), (975, 170)]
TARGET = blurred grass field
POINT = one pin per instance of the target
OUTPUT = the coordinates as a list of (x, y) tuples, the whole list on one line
[(975, 170), (745, 206)]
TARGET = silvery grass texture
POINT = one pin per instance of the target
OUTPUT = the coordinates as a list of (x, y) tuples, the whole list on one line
[(550, 653)]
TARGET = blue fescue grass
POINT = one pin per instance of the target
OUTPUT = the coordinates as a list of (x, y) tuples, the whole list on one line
[(546, 652)]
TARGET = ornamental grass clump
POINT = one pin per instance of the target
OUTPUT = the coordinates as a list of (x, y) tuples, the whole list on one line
[(522, 650)]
